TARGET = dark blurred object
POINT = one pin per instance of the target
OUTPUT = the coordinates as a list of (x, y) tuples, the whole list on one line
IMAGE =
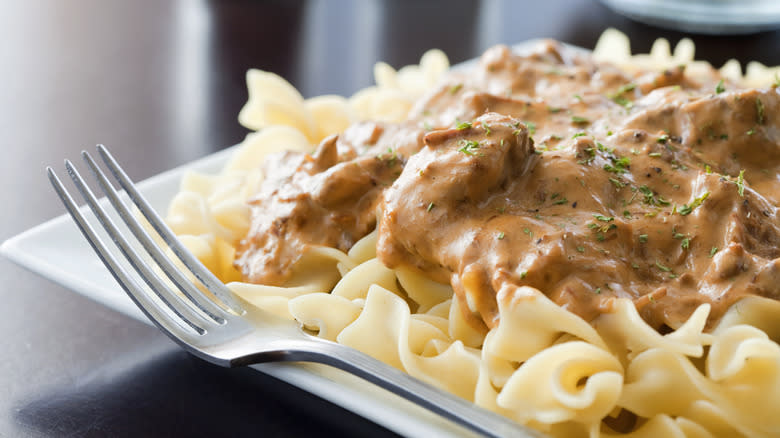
[(711, 17)]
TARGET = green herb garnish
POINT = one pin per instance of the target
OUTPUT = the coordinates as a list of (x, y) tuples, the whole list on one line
[(740, 182), (603, 148), (687, 209), (390, 158), (619, 165), (618, 97), (468, 147), (622, 101), (617, 183), (650, 198), (720, 88), (462, 125), (623, 88)]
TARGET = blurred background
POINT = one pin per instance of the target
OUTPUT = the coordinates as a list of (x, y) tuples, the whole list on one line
[(161, 83)]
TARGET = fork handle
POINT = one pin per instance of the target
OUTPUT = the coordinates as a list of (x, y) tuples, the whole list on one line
[(452, 407)]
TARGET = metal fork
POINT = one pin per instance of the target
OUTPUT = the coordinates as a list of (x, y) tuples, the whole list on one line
[(218, 328)]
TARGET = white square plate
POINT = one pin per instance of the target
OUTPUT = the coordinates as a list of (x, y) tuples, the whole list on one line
[(57, 250)]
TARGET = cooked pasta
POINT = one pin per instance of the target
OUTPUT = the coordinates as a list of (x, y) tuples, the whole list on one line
[(541, 364)]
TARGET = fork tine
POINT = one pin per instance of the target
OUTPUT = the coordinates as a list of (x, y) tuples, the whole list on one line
[(174, 327), (203, 303), (212, 283), (170, 298)]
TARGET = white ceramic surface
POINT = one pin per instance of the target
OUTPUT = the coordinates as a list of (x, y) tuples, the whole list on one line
[(56, 250)]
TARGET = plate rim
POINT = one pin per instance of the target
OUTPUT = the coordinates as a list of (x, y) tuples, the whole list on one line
[(338, 387)]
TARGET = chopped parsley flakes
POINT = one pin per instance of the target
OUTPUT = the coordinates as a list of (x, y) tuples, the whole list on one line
[(621, 100), (662, 267), (688, 209), (740, 182), (650, 197), (617, 183), (468, 147), (619, 165)]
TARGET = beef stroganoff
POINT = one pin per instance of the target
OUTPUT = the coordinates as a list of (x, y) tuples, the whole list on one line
[(588, 248)]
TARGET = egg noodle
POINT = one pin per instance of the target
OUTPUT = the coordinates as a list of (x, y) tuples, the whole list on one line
[(541, 365)]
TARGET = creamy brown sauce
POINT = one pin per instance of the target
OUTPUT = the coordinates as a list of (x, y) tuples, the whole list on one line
[(551, 171)]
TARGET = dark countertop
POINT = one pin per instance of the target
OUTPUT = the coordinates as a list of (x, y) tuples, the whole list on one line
[(161, 83)]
